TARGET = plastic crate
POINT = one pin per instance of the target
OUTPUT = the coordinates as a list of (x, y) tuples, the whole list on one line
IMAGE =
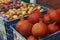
[(19, 35), (54, 36), (8, 23), (6, 9), (14, 21)]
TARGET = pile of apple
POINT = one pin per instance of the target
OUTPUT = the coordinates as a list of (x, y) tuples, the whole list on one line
[(38, 26), (21, 12), (11, 5)]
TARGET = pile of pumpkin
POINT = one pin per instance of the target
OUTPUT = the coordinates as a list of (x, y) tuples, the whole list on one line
[(38, 26)]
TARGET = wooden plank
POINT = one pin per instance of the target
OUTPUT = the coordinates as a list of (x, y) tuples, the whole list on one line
[(50, 3)]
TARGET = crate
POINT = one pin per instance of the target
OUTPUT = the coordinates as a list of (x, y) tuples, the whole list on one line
[(8, 23), (19, 35), (14, 21), (6, 9), (54, 36)]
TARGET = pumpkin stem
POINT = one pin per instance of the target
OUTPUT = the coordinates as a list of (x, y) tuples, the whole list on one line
[(41, 19), (54, 23)]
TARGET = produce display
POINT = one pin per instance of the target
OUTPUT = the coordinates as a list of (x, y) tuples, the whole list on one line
[(38, 26), (21, 12), (11, 5)]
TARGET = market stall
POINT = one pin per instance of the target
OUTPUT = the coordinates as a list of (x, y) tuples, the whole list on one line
[(27, 20)]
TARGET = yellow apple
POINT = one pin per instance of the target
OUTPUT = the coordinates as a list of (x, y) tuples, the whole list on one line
[(7, 16), (15, 16), (41, 10), (23, 12), (20, 16), (38, 7), (33, 5)]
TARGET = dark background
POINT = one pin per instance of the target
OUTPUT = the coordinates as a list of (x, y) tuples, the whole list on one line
[(50, 3)]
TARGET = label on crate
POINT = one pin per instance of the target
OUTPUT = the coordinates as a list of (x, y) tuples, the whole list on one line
[(17, 36), (2, 30)]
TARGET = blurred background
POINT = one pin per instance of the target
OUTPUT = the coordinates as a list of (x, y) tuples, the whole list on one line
[(49, 3)]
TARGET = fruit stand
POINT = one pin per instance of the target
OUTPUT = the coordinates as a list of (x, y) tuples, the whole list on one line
[(20, 20)]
